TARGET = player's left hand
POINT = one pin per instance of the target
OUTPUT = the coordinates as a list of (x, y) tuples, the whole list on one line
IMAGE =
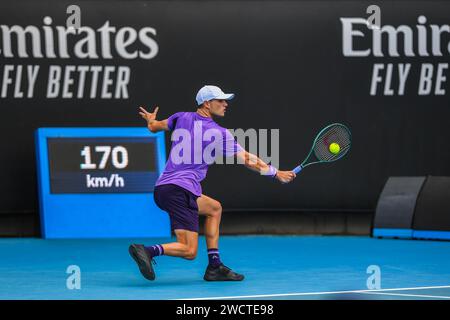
[(148, 116)]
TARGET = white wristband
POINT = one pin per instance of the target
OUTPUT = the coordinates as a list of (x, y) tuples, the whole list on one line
[(272, 172)]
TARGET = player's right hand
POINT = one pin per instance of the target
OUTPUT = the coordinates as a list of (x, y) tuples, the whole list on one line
[(285, 176), (148, 116)]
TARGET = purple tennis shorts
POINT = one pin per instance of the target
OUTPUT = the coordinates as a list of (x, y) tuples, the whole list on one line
[(180, 204)]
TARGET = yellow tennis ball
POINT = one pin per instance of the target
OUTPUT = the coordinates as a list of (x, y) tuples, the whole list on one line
[(335, 148)]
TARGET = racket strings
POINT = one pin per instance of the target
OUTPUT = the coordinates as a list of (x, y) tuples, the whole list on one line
[(335, 134)]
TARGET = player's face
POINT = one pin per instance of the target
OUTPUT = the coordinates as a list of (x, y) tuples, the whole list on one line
[(218, 107)]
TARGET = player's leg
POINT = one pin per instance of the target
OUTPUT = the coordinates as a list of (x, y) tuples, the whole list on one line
[(216, 270), (182, 208), (181, 205), (212, 210), (185, 247)]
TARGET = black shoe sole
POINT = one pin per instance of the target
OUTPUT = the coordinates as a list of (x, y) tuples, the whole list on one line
[(142, 267), (221, 279), (206, 279)]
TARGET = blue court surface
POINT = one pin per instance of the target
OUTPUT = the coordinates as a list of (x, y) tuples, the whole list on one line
[(276, 267)]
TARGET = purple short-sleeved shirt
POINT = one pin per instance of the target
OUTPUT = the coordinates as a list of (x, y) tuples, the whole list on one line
[(193, 139)]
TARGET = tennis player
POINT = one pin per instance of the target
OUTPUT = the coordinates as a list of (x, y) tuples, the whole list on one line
[(179, 193)]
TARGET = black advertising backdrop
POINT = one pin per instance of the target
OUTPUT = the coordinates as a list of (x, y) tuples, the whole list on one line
[(286, 62)]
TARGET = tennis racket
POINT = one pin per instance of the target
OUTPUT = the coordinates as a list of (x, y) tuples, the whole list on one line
[(325, 140)]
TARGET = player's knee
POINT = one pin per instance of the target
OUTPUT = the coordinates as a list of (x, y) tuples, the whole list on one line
[(217, 209), (191, 254)]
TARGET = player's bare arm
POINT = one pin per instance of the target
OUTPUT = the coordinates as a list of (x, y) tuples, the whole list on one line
[(254, 163), (153, 124)]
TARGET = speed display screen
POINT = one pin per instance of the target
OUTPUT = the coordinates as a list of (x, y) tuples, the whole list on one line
[(102, 165), (99, 182)]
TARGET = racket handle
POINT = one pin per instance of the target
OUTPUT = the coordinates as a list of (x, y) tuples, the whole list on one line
[(297, 169)]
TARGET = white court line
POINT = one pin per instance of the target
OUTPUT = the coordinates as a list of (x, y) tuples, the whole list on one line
[(408, 295), (312, 293)]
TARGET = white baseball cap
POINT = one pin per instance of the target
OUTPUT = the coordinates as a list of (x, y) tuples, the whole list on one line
[(207, 93)]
